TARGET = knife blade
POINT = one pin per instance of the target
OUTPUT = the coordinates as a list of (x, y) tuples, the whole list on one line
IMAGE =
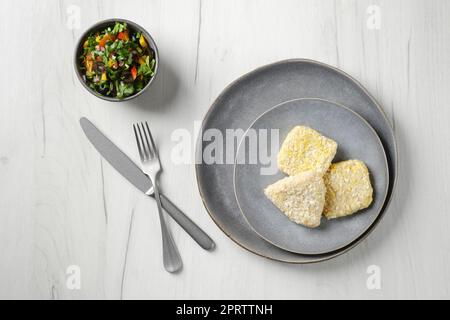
[(128, 169)]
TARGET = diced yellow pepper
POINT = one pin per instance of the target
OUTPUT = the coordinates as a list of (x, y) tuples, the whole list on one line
[(89, 65), (104, 77), (98, 38), (142, 41), (142, 60)]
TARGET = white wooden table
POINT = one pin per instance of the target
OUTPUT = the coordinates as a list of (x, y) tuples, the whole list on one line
[(62, 205)]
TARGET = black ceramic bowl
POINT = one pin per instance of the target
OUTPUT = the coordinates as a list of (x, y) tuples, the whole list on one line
[(100, 26)]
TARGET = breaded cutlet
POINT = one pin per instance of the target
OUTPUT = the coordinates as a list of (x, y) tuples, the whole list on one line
[(348, 188), (305, 149), (301, 197)]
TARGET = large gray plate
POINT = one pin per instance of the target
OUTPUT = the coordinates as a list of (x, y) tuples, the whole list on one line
[(356, 140), (250, 96)]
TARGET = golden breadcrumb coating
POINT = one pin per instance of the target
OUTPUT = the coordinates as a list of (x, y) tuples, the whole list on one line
[(305, 149), (348, 188), (301, 198)]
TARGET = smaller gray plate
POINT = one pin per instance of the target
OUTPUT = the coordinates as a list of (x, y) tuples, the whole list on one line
[(356, 140)]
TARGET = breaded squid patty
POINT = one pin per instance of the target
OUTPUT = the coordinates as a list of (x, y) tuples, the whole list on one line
[(305, 149), (301, 198), (348, 188)]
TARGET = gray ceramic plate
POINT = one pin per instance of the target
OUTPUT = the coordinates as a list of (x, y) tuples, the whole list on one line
[(356, 140), (250, 96)]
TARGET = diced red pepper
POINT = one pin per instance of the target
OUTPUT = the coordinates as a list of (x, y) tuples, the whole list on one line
[(123, 36), (105, 39), (102, 42), (134, 72)]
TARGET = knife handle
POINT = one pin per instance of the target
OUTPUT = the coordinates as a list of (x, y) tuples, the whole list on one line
[(187, 224)]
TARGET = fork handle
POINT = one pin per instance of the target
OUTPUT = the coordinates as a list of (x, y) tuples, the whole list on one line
[(171, 257), (187, 224)]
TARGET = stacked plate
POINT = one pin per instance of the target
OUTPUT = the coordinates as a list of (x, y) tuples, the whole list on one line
[(279, 96)]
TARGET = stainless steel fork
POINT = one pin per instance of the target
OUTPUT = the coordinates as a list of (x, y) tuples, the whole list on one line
[(152, 167)]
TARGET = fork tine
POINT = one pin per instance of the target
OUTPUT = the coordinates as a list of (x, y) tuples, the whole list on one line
[(149, 149), (138, 143), (152, 143), (145, 146)]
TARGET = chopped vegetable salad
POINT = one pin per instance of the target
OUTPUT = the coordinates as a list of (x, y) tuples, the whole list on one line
[(117, 62)]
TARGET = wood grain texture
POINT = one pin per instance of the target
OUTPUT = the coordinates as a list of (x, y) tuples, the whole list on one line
[(62, 205)]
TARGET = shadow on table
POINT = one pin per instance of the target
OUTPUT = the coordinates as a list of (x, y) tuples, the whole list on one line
[(161, 92)]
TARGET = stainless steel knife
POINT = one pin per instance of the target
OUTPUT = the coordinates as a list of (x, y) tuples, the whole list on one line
[(127, 168)]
